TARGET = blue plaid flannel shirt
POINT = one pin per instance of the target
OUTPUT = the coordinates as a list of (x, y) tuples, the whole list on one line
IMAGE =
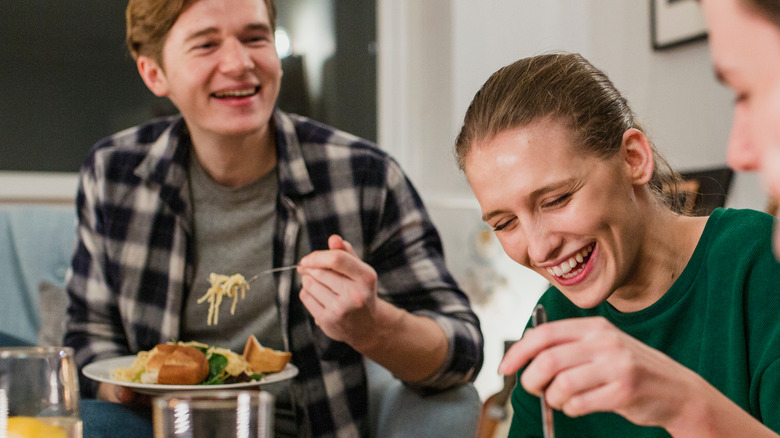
[(133, 263)]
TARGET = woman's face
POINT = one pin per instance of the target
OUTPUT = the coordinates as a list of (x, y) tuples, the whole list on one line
[(565, 214), (745, 50)]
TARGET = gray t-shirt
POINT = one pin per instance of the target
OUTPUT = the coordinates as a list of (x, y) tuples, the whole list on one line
[(234, 230), (233, 234)]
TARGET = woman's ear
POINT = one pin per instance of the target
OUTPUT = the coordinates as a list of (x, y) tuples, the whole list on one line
[(153, 75), (639, 157)]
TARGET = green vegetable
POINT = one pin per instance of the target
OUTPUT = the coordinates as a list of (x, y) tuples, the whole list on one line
[(217, 373)]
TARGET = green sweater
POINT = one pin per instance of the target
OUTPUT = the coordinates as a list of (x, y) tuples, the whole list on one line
[(721, 318)]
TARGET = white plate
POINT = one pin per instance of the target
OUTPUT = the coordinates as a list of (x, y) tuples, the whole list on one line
[(101, 371)]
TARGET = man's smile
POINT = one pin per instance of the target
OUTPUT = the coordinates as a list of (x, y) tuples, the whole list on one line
[(244, 92)]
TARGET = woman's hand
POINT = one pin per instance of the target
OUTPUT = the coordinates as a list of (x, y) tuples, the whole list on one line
[(587, 365), (340, 291)]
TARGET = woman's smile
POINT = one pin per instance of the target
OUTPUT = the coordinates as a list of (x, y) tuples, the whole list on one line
[(573, 269)]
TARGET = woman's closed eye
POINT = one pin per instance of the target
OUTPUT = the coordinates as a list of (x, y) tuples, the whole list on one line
[(557, 201), (503, 225)]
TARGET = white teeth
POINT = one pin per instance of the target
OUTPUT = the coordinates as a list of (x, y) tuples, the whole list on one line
[(568, 265), (236, 93)]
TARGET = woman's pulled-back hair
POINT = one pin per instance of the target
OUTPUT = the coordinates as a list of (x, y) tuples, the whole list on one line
[(149, 21), (566, 87)]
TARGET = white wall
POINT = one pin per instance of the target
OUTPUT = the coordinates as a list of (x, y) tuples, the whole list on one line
[(435, 54)]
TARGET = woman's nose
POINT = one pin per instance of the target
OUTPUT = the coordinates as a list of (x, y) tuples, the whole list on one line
[(543, 245)]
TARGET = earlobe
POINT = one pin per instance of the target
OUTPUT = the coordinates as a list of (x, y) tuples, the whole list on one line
[(152, 75), (640, 160)]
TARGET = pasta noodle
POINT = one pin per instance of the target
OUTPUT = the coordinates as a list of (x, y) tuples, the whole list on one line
[(134, 371), (221, 286), (236, 362)]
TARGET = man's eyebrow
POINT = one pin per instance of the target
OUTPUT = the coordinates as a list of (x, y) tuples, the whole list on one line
[(259, 26), (719, 75), (263, 27), (200, 33)]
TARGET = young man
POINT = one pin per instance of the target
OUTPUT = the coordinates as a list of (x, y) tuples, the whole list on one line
[(744, 37), (235, 185)]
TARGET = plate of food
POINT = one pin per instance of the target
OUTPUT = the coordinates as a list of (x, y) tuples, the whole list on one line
[(186, 366)]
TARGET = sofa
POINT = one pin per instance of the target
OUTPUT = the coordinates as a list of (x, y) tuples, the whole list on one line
[(36, 242)]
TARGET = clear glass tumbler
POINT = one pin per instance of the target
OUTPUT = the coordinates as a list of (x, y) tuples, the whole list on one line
[(39, 393), (213, 414)]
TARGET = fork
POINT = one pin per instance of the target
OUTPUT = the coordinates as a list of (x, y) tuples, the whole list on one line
[(538, 317), (270, 271)]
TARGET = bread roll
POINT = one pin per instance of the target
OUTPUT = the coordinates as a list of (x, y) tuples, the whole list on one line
[(262, 359), (177, 365)]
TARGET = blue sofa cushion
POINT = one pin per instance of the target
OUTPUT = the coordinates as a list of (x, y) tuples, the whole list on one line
[(36, 242)]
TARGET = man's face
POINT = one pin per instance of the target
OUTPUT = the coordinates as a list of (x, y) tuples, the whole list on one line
[(220, 67), (745, 50)]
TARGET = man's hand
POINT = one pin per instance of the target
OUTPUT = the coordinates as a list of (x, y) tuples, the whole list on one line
[(121, 394), (340, 291)]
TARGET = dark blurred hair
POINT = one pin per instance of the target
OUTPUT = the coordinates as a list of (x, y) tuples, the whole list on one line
[(769, 9)]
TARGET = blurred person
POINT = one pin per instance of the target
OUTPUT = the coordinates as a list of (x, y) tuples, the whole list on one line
[(744, 39)]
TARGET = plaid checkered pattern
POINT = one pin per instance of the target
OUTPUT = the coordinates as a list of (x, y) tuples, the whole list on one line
[(133, 263)]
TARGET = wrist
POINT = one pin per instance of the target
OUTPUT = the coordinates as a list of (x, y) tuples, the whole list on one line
[(387, 321)]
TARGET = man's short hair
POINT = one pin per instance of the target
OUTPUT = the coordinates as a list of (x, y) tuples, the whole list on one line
[(149, 21)]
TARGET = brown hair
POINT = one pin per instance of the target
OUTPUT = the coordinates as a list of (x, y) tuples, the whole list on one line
[(567, 87), (769, 9), (149, 21)]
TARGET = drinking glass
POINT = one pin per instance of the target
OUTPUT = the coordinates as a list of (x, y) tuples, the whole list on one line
[(39, 393), (213, 414)]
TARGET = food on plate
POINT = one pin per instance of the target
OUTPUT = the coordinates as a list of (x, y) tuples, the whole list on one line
[(175, 363), (221, 286), (262, 359)]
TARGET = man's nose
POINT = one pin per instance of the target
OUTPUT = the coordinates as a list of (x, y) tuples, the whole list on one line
[(742, 153), (235, 59)]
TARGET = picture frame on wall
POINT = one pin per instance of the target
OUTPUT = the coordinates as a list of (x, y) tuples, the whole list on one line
[(676, 22)]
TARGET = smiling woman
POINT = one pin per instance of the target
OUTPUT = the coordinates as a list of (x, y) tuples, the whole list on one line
[(573, 189)]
